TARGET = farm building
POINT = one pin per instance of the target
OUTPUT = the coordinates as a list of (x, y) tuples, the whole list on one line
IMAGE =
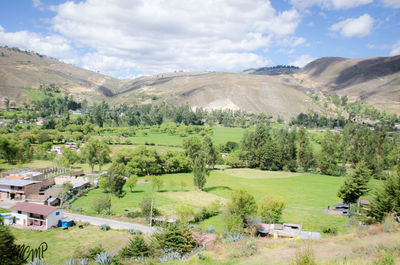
[(36, 216), (18, 189)]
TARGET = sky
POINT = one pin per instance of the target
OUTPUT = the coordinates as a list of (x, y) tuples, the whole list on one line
[(130, 38)]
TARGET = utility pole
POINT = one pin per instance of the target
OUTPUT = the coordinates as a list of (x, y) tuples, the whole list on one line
[(151, 212)]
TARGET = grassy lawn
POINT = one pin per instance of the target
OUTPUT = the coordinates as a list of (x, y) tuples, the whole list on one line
[(63, 243), (307, 195)]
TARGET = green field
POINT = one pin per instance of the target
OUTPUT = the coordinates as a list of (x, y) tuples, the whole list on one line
[(146, 136), (63, 243), (307, 195)]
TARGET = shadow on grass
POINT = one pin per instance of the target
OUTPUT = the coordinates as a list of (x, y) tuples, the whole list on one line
[(216, 188), (136, 191)]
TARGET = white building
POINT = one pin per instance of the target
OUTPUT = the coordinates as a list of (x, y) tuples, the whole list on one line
[(36, 216)]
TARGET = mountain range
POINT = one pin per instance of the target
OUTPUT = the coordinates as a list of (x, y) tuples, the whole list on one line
[(277, 91)]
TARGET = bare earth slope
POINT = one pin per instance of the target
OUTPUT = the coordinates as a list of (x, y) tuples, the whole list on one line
[(276, 95), (20, 70), (374, 80)]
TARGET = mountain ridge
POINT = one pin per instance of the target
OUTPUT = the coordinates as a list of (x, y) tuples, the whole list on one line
[(275, 91)]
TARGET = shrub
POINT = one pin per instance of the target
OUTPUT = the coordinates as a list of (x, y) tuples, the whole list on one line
[(176, 238), (105, 227), (330, 230), (94, 251), (184, 212), (103, 258), (389, 223), (170, 255), (304, 255), (234, 237), (233, 223), (134, 232), (270, 209), (137, 247), (37, 261), (206, 212), (246, 249), (210, 229), (145, 207)]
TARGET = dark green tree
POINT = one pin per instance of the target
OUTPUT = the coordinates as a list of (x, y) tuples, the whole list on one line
[(305, 155), (8, 248), (242, 204), (387, 199), (356, 184), (199, 172), (115, 177), (210, 151)]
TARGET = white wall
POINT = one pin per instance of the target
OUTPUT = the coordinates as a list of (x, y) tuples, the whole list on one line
[(52, 219), (21, 216)]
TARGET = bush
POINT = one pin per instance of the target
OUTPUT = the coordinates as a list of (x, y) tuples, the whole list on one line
[(270, 209), (103, 258), (176, 238), (137, 248), (145, 207), (330, 230), (389, 223), (134, 232), (210, 229), (206, 212), (94, 251), (304, 256), (233, 223), (246, 249), (105, 227)]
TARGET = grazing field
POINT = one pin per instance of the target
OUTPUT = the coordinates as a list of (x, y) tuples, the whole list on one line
[(307, 195), (63, 243)]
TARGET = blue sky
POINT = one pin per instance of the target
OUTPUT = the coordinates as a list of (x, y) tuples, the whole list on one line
[(128, 38)]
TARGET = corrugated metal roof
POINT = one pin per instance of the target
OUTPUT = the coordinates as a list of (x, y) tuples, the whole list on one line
[(17, 182), (80, 184), (27, 207)]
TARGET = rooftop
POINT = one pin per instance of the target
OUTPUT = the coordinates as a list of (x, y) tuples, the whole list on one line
[(17, 182), (27, 207)]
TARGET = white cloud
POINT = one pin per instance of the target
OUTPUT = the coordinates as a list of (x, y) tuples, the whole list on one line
[(330, 4), (53, 45), (391, 3), (395, 49), (302, 60), (159, 36), (354, 27)]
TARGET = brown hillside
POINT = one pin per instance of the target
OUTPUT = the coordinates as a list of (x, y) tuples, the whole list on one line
[(373, 80), (19, 69)]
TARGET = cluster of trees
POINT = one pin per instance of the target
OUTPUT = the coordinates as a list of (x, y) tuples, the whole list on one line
[(270, 149), (283, 149), (143, 161), (314, 119), (203, 155), (15, 150), (243, 206)]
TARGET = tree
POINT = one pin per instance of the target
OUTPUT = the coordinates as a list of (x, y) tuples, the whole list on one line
[(137, 248), (387, 199), (131, 182), (69, 157), (305, 155), (192, 146), (103, 184), (8, 248), (330, 155), (102, 203), (356, 184), (157, 182), (242, 204), (116, 181), (7, 102), (210, 151), (96, 152), (270, 209), (199, 172)]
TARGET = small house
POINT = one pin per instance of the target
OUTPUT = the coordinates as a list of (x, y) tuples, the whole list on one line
[(36, 216)]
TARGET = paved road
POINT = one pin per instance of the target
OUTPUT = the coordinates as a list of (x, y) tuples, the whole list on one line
[(112, 223)]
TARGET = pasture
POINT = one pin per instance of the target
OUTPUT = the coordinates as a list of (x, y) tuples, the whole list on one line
[(307, 195)]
